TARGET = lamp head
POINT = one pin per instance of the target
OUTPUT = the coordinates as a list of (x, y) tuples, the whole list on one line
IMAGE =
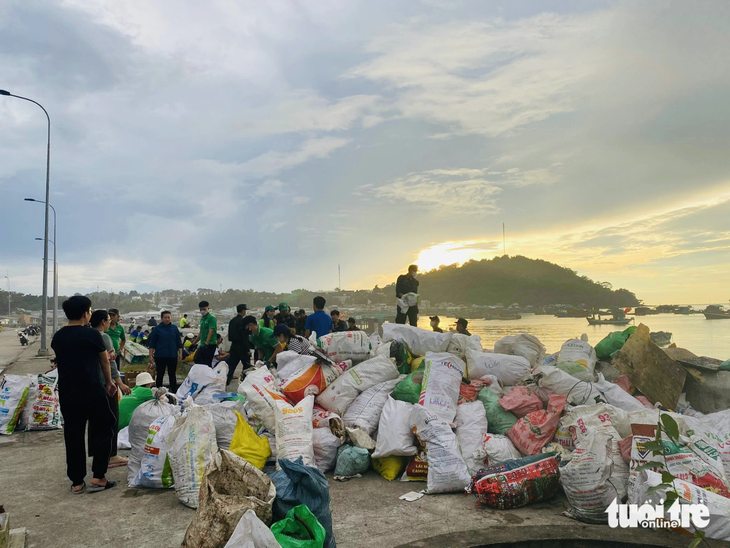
[(3, 92), (39, 239), (29, 199)]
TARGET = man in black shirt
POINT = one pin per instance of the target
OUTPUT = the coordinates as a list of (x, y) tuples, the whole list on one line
[(82, 362), (407, 283), (461, 324), (301, 317), (240, 350), (285, 317), (337, 323)]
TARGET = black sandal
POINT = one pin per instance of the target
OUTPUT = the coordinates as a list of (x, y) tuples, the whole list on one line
[(97, 488), (82, 490)]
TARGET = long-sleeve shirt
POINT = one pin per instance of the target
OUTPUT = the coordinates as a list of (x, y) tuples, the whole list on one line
[(405, 284), (165, 340)]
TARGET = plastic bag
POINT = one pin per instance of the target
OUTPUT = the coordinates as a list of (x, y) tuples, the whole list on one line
[(441, 380), (365, 411), (507, 368), (409, 389), (299, 484), (325, 445), (525, 345), (351, 461), (248, 445), (251, 532), (471, 427), (230, 487), (613, 342), (389, 467), (517, 483), (395, 437), (262, 394), (520, 401), (535, 430), (495, 449), (299, 529), (192, 447), (155, 471), (123, 439), (419, 341), (289, 362), (447, 471), (199, 377), (225, 420), (13, 395), (346, 345), (617, 396), (294, 431), (551, 380), (45, 408), (579, 351), (27, 412), (416, 470), (498, 419), (339, 395), (309, 380), (139, 427)]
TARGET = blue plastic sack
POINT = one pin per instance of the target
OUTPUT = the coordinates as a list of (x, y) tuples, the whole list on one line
[(299, 484)]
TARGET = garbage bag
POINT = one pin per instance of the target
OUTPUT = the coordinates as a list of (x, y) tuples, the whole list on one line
[(419, 341), (299, 484), (409, 389), (364, 413), (251, 532), (579, 351), (395, 437), (351, 461), (525, 345), (325, 445), (495, 449), (613, 342), (43, 403), (225, 420), (139, 427), (471, 427), (499, 420), (346, 345), (441, 380), (517, 483), (155, 471), (520, 401), (13, 395), (192, 447), (507, 368), (535, 430), (199, 377), (230, 487), (294, 431), (389, 467), (299, 529), (262, 391), (248, 445)]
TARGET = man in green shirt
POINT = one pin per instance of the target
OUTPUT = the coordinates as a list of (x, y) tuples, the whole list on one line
[(207, 337), (116, 334), (184, 321), (262, 338)]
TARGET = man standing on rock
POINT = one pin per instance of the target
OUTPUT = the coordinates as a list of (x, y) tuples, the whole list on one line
[(407, 283), (84, 384)]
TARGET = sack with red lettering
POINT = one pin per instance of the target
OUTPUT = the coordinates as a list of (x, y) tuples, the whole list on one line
[(308, 380), (262, 394), (46, 414), (440, 388), (521, 401), (416, 470), (294, 431), (535, 430)]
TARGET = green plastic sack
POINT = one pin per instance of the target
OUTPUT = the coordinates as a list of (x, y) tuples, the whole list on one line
[(409, 389), (403, 358), (613, 342), (498, 420), (299, 529), (128, 404)]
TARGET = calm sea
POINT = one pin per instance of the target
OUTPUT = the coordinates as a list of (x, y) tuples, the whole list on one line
[(693, 332)]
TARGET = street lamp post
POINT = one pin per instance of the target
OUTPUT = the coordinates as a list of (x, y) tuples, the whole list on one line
[(7, 276), (44, 309), (55, 265)]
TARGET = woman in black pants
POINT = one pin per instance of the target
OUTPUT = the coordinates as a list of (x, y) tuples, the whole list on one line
[(165, 344)]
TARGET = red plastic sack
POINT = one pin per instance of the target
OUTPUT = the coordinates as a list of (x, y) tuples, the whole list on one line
[(521, 401), (624, 382), (416, 470), (644, 401), (535, 430), (468, 392)]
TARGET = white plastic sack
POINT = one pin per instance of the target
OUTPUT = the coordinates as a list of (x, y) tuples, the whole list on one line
[(617, 396), (346, 345), (525, 345), (715, 430), (139, 427), (495, 449), (123, 438), (289, 362), (261, 389), (154, 472), (294, 431), (13, 395), (471, 426), (325, 445), (419, 341), (395, 437), (224, 419), (45, 408), (579, 351), (251, 532), (221, 373), (459, 344), (27, 413), (191, 448), (207, 396), (375, 342), (364, 413), (339, 395), (441, 381), (551, 380), (447, 471), (507, 368), (199, 377), (383, 349)]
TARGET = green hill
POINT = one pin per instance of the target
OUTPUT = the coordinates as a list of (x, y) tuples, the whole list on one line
[(506, 280)]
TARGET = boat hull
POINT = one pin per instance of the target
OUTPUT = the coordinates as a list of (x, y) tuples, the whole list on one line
[(714, 316), (591, 321)]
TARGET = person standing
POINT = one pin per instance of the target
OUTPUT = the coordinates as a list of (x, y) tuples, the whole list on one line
[(207, 336), (267, 318), (285, 317), (435, 320), (80, 358), (165, 344), (318, 322), (100, 321), (116, 334), (301, 317), (240, 350), (407, 283)]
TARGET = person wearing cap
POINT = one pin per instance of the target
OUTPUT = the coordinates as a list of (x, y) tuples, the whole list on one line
[(293, 343), (301, 317), (267, 318), (165, 344), (207, 335), (262, 338), (461, 324), (141, 392), (407, 283), (240, 350), (435, 324), (285, 317), (337, 323), (352, 324)]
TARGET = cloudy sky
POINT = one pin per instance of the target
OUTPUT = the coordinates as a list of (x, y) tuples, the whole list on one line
[(260, 144)]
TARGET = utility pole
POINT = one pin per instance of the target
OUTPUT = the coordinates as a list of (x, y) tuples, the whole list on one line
[(7, 275), (504, 241), (339, 277)]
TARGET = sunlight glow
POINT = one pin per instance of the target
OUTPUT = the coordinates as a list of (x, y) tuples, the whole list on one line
[(448, 253)]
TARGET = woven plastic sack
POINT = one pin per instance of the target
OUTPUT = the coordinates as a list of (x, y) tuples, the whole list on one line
[(419, 341), (248, 445), (325, 445), (551, 380), (294, 431), (495, 449), (230, 487), (309, 380), (27, 412), (13, 395), (351, 461), (471, 427), (225, 420), (251, 532), (579, 351), (395, 437), (441, 380), (346, 345), (517, 483), (139, 427), (45, 407), (155, 471), (199, 377), (507, 368), (288, 362), (365, 411), (535, 430), (299, 484), (617, 396), (498, 419), (299, 529), (520, 401), (525, 345), (261, 389)]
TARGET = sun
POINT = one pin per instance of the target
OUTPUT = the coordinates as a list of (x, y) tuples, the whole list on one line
[(448, 253)]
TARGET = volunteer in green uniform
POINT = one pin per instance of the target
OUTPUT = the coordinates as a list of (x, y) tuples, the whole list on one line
[(207, 337), (262, 338), (116, 334)]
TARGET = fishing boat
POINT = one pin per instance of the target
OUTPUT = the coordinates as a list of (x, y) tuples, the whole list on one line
[(571, 313), (502, 315), (645, 311), (618, 317), (716, 312), (684, 310)]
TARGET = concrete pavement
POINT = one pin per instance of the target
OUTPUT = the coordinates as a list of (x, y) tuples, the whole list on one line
[(366, 512)]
